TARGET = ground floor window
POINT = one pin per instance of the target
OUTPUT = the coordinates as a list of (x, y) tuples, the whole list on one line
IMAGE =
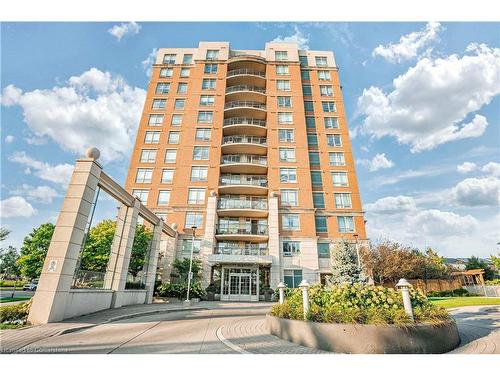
[(292, 278)]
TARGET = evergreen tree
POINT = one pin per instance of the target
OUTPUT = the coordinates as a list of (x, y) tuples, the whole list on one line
[(345, 267)]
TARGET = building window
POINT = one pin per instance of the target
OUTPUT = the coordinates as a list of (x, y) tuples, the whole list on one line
[(170, 156), (281, 70), (208, 84), (212, 54), (316, 179), (346, 224), (187, 243), (328, 106), (312, 140), (288, 175), (290, 222), (144, 175), (326, 90), (162, 88), (284, 101), (321, 61), (319, 200), (159, 103), (321, 224), (173, 138), (196, 196), (287, 154), (210, 69), (337, 158), (303, 60), (169, 58), (185, 72), (202, 134), (340, 179), (193, 219), (323, 250), (281, 55), (182, 88), (285, 135), (307, 90), (142, 195), (166, 73), (289, 198), (179, 103), (305, 76), (148, 156), (308, 106), (166, 176), (343, 200), (207, 100), (291, 248), (163, 197), (292, 278), (310, 122), (314, 158), (199, 173), (283, 85), (187, 59), (201, 153), (155, 120), (324, 75), (176, 120), (285, 118), (331, 122), (205, 117), (152, 137), (334, 140)]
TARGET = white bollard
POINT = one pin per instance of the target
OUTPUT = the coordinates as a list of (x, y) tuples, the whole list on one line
[(304, 285), (404, 286), (281, 287)]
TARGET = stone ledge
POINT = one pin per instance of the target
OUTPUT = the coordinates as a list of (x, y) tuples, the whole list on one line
[(367, 338)]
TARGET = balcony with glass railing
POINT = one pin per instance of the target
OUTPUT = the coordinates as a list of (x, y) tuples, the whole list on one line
[(246, 92), (245, 108), (232, 252), (247, 144), (231, 248), (243, 184), (243, 163), (241, 232), (230, 202), (244, 125)]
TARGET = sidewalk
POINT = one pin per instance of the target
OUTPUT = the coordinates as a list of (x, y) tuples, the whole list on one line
[(15, 339)]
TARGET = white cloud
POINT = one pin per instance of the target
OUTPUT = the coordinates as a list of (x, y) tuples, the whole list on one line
[(379, 161), (119, 31), (94, 109), (9, 139), (298, 37), (477, 192), (364, 149), (42, 194), (430, 102), (149, 61), (409, 45), (466, 167), (391, 205), (427, 171), (436, 222), (16, 207), (59, 174), (492, 168)]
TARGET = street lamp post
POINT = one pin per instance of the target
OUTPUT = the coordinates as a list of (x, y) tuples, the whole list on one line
[(355, 235), (190, 274)]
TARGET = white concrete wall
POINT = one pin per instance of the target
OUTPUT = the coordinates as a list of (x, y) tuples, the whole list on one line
[(487, 290), (133, 297), (85, 301)]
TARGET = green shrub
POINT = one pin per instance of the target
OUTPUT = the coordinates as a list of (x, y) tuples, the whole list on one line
[(460, 292), (493, 282), (15, 314), (358, 304), (134, 285), (179, 290)]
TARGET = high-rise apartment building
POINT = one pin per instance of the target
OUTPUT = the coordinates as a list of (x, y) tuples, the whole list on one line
[(251, 148)]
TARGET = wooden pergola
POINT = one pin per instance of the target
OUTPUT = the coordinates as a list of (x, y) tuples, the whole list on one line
[(470, 277)]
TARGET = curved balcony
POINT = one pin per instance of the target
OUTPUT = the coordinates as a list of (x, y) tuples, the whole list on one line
[(243, 163), (245, 108), (243, 184), (232, 252), (227, 248), (234, 205), (241, 232), (245, 75), (244, 125), (246, 92), (246, 144)]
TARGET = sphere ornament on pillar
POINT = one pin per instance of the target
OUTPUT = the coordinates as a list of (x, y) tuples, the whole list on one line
[(93, 153), (213, 193), (173, 226)]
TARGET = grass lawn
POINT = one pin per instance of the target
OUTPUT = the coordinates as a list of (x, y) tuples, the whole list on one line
[(450, 302), (8, 299)]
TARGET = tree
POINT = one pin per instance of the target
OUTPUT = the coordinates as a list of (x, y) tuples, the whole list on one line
[(140, 248), (181, 267), (496, 261), (345, 267), (474, 263), (434, 266), (4, 233), (34, 250), (8, 265)]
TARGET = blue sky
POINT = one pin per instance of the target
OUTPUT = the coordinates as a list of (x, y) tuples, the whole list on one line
[(422, 100)]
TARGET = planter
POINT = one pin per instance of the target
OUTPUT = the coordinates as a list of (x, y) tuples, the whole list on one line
[(268, 296), (367, 338), (210, 296)]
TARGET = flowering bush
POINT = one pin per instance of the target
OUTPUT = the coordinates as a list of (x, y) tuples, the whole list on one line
[(179, 290), (358, 304)]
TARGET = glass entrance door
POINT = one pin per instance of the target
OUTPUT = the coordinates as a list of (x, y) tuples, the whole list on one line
[(240, 284)]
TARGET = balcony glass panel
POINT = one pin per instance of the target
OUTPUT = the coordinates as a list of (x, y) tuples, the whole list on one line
[(237, 72), (242, 202), (244, 139), (243, 121), (236, 228), (244, 104), (243, 179), (244, 158)]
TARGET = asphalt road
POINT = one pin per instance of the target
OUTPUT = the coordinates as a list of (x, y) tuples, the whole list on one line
[(18, 293)]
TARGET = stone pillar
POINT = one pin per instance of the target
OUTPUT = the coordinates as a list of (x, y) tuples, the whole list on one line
[(168, 247), (152, 262), (274, 241), (208, 241), (49, 302), (121, 248)]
